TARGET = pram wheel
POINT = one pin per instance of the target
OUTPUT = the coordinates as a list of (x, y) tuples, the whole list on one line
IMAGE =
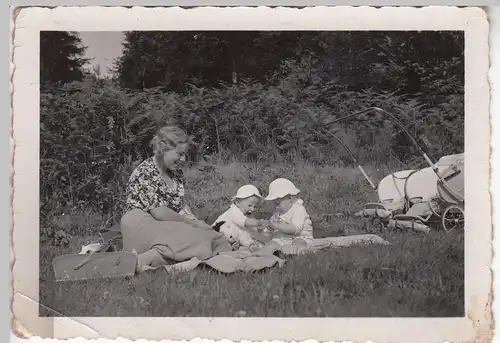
[(453, 217)]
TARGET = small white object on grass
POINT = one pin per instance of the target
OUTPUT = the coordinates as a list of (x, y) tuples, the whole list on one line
[(87, 249)]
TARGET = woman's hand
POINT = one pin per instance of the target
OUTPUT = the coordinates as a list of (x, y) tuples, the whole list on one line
[(164, 213), (186, 212)]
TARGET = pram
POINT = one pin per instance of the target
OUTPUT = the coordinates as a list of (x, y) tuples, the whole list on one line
[(412, 199)]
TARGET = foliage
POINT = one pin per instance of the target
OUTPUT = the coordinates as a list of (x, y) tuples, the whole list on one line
[(204, 58), (289, 86), (61, 57), (86, 146), (386, 60), (92, 131)]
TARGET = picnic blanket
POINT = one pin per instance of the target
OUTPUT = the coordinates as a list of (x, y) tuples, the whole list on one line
[(224, 260), (151, 244), (245, 261), (179, 246)]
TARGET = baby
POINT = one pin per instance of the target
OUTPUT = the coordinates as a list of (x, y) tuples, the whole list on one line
[(290, 222), (238, 226)]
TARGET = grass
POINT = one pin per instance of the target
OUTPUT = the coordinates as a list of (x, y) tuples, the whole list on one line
[(417, 275)]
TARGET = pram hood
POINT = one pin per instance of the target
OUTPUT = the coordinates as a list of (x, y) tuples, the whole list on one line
[(421, 185)]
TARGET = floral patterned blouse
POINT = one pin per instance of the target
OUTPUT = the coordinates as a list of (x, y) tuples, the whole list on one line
[(147, 189)]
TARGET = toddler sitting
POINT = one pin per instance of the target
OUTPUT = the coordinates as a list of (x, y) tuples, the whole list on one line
[(238, 225), (290, 222)]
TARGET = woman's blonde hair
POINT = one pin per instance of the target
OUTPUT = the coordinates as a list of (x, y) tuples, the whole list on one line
[(168, 138)]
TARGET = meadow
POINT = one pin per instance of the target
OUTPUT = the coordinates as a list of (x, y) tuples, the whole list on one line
[(417, 275)]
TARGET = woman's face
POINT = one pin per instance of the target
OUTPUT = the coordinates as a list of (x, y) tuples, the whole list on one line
[(173, 159)]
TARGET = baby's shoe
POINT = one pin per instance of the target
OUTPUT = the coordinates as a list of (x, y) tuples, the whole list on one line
[(235, 246), (255, 246)]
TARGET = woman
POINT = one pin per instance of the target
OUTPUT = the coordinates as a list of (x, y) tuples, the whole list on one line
[(157, 223)]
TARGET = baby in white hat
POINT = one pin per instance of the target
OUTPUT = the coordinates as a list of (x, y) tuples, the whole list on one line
[(291, 222), (237, 222)]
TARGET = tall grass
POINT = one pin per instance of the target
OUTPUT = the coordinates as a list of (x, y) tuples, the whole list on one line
[(93, 133)]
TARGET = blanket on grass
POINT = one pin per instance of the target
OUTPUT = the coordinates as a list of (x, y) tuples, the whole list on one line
[(119, 264), (157, 243), (243, 260)]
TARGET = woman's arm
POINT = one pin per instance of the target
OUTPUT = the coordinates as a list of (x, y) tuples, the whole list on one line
[(186, 212), (163, 213)]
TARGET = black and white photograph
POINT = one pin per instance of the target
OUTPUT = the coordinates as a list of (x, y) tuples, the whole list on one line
[(253, 173), (158, 136)]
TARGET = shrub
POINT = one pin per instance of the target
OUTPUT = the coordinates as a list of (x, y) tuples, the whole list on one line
[(93, 132)]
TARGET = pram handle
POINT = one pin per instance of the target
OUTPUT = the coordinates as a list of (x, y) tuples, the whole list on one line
[(412, 139), (352, 157), (367, 177), (379, 110)]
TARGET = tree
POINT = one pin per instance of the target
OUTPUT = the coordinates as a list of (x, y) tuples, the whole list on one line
[(204, 59), (61, 57), (405, 61)]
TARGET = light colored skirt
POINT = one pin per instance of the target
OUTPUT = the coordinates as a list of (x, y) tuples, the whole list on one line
[(157, 242)]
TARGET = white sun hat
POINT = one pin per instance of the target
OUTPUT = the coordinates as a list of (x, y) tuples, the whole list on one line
[(247, 191), (281, 187)]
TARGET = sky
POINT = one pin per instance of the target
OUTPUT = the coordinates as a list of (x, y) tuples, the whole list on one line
[(103, 47)]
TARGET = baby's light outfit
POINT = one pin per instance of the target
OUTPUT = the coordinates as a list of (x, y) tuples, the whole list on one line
[(234, 226), (297, 216)]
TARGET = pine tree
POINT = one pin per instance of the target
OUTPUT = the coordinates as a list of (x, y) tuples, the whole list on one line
[(61, 57), (205, 59)]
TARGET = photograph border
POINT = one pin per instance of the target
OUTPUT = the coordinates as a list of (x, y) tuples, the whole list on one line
[(475, 326)]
